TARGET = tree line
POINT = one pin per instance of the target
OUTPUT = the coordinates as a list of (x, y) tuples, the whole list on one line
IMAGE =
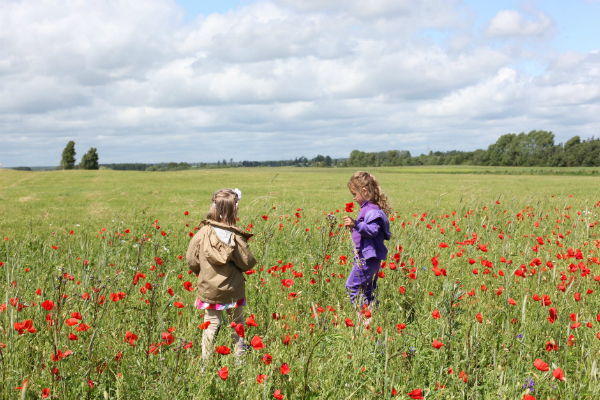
[(533, 149)]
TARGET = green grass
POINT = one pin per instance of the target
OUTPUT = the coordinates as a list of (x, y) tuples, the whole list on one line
[(326, 359)]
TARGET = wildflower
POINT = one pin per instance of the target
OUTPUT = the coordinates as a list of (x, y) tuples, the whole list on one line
[(539, 364), (435, 314), (416, 394), (284, 369), (277, 394), (257, 343), (559, 374), (437, 344), (261, 378), (223, 373), (267, 359), (222, 350)]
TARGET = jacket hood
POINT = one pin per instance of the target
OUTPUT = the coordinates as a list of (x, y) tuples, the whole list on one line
[(234, 229)]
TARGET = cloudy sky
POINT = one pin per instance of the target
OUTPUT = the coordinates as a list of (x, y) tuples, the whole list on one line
[(201, 81)]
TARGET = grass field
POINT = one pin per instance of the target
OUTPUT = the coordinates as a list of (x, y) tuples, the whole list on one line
[(477, 248)]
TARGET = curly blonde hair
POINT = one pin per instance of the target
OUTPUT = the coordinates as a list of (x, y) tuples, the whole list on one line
[(224, 207), (376, 195)]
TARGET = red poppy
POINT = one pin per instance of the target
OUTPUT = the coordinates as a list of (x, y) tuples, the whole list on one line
[(437, 345), (267, 358), (257, 343), (187, 285), (539, 364), (349, 322), (48, 305), (239, 329), (222, 350), (512, 302), (277, 394), (223, 373), (349, 207), (251, 322), (416, 394), (46, 392), (178, 304), (72, 321), (479, 317), (559, 374), (72, 336), (266, 218), (284, 369), (553, 315), (287, 282), (261, 378), (435, 314)]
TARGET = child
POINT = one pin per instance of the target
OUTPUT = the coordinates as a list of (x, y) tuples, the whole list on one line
[(219, 254), (369, 231)]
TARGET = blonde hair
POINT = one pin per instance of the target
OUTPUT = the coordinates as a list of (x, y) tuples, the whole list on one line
[(361, 180), (224, 207)]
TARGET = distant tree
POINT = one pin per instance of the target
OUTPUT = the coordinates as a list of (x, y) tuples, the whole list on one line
[(89, 159), (68, 156)]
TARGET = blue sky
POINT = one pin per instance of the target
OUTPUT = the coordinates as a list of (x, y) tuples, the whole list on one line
[(201, 81)]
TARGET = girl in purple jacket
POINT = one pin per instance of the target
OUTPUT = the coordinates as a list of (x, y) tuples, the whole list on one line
[(369, 231)]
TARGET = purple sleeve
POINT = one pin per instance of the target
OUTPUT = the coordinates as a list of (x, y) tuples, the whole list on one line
[(369, 230)]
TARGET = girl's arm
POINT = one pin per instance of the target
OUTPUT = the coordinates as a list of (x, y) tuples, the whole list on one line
[(365, 229), (371, 225), (242, 257), (192, 256)]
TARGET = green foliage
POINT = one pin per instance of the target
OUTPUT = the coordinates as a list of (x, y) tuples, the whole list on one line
[(68, 156), (533, 149), (89, 159)]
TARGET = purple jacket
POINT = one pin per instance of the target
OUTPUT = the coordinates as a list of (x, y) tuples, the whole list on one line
[(370, 230)]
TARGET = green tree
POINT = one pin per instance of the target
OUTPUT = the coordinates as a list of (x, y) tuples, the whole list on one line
[(68, 156), (89, 159)]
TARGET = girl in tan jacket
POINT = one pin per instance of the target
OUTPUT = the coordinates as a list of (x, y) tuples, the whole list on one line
[(219, 255)]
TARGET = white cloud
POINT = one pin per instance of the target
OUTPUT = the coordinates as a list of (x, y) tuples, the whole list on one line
[(510, 23), (276, 79)]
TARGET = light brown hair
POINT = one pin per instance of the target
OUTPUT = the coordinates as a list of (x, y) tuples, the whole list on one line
[(376, 195), (224, 207)]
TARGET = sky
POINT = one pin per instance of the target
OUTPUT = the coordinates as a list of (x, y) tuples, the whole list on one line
[(200, 81)]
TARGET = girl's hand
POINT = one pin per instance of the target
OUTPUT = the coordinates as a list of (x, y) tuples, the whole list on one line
[(348, 222)]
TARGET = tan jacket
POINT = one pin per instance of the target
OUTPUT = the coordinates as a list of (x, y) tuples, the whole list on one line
[(219, 265)]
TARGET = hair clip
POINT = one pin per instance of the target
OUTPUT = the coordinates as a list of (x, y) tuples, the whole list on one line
[(238, 192)]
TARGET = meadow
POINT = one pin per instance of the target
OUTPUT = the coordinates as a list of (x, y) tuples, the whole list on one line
[(490, 289)]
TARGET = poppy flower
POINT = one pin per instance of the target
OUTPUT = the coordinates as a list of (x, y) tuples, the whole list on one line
[(223, 373), (349, 207), (46, 392), (222, 350), (443, 245), (559, 374), (528, 397), (204, 325), (349, 323), (251, 322), (266, 218), (239, 329), (277, 394), (267, 359), (416, 394), (512, 302), (48, 305), (437, 345), (261, 378), (539, 364), (72, 336), (257, 343), (479, 317), (187, 285), (284, 369), (287, 282), (553, 315), (435, 314), (72, 321)]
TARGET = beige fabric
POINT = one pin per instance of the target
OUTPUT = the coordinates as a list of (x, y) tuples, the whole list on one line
[(220, 266), (215, 317)]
